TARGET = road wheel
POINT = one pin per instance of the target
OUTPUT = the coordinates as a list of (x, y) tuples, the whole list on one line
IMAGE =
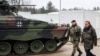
[(51, 45), (5, 48), (20, 47), (36, 46)]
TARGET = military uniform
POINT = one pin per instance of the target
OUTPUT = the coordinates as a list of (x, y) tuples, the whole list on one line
[(89, 38), (4, 7), (75, 33)]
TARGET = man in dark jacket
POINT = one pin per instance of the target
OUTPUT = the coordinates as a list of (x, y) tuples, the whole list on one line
[(89, 38), (75, 34)]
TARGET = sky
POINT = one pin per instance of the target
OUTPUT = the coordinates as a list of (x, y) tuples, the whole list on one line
[(87, 4)]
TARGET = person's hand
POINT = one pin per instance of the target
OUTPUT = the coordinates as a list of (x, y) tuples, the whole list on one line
[(95, 44)]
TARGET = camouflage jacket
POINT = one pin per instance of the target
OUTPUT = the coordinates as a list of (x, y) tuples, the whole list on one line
[(75, 33), (89, 38)]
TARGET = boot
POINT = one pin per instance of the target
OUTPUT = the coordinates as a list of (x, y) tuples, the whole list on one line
[(80, 53), (92, 54), (72, 55)]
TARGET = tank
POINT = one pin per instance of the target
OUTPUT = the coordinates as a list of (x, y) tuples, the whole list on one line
[(20, 35)]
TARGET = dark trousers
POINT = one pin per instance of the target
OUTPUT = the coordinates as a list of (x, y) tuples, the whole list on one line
[(88, 52)]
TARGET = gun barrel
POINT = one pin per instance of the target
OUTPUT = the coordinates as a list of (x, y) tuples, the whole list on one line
[(23, 5)]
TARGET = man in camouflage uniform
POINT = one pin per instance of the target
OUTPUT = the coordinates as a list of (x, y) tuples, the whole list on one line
[(4, 7), (89, 38), (3, 3), (75, 34)]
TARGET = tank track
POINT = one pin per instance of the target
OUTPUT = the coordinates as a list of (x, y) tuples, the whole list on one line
[(60, 44)]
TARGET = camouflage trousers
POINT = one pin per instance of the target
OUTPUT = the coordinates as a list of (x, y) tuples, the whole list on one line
[(76, 47)]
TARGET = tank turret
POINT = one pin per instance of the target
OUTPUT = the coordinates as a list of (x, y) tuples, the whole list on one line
[(7, 9)]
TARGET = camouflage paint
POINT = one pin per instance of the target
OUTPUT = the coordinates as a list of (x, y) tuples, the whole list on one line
[(59, 32), (28, 29)]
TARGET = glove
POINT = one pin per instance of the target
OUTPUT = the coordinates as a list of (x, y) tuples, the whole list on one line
[(95, 44)]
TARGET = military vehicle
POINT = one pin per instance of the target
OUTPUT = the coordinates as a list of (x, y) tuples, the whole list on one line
[(20, 35)]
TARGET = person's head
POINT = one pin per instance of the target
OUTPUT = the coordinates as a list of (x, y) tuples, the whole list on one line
[(87, 24), (74, 23)]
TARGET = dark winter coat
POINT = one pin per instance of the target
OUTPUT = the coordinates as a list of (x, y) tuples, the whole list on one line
[(89, 37)]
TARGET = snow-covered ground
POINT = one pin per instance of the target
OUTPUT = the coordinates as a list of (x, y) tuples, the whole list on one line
[(65, 17)]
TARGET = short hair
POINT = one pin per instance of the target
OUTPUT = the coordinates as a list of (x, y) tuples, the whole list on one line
[(73, 21), (88, 22)]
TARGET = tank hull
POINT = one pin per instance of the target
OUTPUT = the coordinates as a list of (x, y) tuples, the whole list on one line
[(22, 35)]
